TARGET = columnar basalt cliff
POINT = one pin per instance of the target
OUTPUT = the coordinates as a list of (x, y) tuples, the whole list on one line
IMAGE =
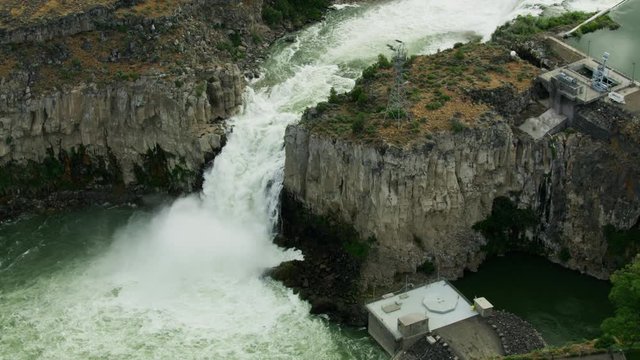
[(421, 203), (134, 95), (125, 118), (433, 198), (121, 80)]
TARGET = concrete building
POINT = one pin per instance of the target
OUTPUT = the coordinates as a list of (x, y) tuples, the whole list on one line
[(483, 306), (571, 85), (398, 320)]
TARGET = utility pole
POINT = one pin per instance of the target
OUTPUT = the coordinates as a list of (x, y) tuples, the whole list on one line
[(633, 73), (397, 106)]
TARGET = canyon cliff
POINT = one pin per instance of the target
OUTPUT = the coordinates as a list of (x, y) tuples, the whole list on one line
[(119, 94), (422, 194)]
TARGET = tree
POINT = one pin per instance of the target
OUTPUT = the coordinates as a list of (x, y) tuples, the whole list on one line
[(625, 296)]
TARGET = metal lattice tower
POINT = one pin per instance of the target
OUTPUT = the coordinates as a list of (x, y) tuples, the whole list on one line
[(397, 106), (598, 82)]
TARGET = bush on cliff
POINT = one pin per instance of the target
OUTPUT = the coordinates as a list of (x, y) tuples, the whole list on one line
[(298, 12), (624, 327), (358, 125), (622, 245), (65, 170), (155, 172), (504, 228)]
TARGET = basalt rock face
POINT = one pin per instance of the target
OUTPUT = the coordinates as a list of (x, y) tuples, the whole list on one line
[(14, 30), (125, 119), (421, 202), (96, 100)]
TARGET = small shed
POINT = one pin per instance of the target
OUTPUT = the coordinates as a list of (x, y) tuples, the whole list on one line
[(483, 306)]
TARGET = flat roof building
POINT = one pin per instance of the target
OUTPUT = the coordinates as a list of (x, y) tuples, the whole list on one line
[(397, 320), (483, 306)]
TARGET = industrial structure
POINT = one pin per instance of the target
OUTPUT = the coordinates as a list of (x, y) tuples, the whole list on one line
[(574, 85), (397, 321), (580, 83)]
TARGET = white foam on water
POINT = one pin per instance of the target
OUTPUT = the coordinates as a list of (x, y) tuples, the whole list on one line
[(187, 282)]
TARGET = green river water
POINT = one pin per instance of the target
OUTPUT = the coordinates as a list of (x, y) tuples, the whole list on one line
[(42, 253), (562, 304)]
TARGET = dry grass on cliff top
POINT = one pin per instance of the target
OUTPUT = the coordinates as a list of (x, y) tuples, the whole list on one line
[(84, 61), (17, 13), (152, 8), (87, 56), (437, 90)]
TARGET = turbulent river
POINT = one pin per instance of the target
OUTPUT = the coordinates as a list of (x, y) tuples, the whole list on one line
[(184, 280)]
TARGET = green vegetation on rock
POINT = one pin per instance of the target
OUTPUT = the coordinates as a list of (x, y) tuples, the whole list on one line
[(622, 245), (71, 170), (623, 329), (505, 228), (298, 12), (442, 95), (156, 173), (426, 268), (523, 27)]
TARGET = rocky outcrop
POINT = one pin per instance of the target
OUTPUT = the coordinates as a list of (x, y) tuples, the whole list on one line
[(125, 119), (114, 97), (517, 335), (421, 202), (14, 31)]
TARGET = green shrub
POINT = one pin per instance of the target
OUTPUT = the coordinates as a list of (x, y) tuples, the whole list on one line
[(357, 127), (564, 254), (624, 326), (370, 72), (271, 16), (298, 12), (200, 89), (434, 105), (457, 126), (358, 95), (604, 342), (370, 129), (383, 62), (504, 228), (333, 96), (622, 244), (236, 39), (396, 113), (426, 268)]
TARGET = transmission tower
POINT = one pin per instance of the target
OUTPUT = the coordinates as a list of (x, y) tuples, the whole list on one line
[(598, 81), (397, 107)]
